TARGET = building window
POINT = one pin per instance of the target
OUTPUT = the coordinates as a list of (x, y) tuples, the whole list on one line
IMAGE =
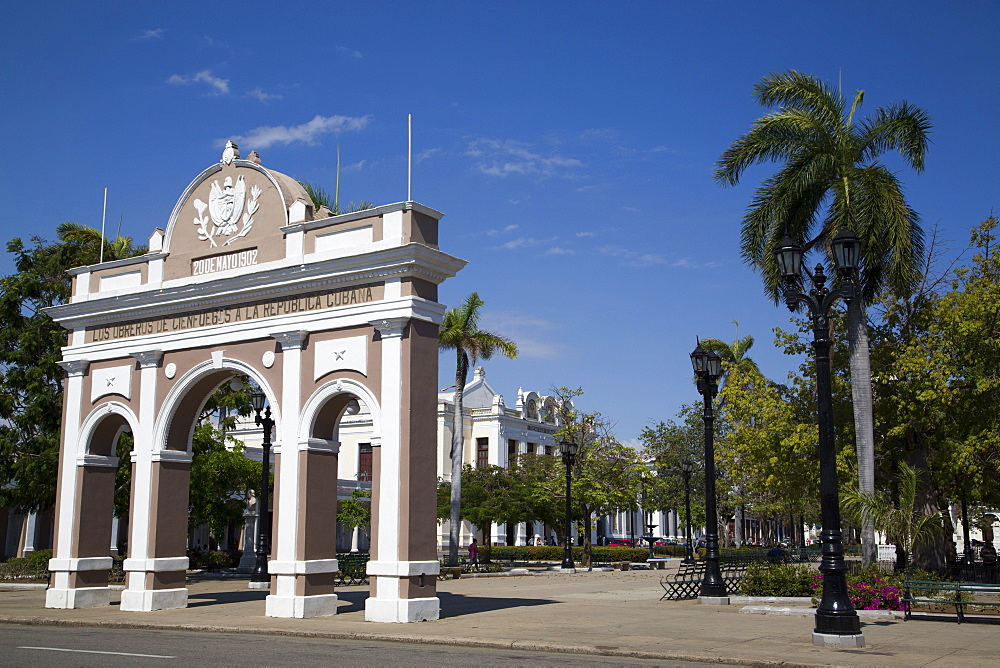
[(365, 462), (511, 452), (549, 450), (531, 448), (482, 452)]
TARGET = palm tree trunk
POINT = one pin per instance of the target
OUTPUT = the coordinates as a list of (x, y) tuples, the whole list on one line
[(864, 431), (457, 441)]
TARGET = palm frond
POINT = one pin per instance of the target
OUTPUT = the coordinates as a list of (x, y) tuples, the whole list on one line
[(802, 91), (903, 127)]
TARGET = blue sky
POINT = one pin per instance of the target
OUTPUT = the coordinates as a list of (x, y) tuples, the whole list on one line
[(570, 145)]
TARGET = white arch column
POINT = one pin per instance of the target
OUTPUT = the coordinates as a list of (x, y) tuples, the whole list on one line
[(302, 572), (403, 573), (80, 560), (157, 563)]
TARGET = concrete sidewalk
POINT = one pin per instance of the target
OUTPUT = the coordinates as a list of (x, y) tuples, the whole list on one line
[(607, 613)]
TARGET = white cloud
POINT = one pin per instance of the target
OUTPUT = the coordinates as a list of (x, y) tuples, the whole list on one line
[(527, 331), (509, 228), (633, 258), (685, 263), (504, 158), (350, 53), (156, 33), (424, 155), (262, 96), (586, 234), (521, 242), (557, 250), (307, 133), (221, 86), (633, 443)]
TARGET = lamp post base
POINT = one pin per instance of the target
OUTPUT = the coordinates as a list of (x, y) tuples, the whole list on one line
[(713, 600), (838, 641)]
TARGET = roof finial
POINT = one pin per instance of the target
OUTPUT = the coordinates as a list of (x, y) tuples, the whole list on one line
[(232, 152)]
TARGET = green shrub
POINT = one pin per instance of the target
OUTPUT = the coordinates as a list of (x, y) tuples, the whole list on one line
[(22, 568), (777, 580), (555, 553), (39, 559)]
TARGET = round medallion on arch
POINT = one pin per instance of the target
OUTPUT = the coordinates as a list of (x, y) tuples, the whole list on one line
[(268, 359), (170, 370)]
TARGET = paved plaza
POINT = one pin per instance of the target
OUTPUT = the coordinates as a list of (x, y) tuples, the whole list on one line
[(608, 613)]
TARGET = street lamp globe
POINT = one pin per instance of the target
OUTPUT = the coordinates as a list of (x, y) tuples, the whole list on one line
[(257, 399), (789, 257), (846, 248)]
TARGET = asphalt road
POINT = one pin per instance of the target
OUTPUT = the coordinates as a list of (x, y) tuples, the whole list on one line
[(80, 646)]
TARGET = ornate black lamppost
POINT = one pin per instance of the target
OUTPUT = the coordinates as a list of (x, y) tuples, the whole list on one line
[(647, 517), (708, 368), (836, 620), (686, 467), (260, 573), (568, 449)]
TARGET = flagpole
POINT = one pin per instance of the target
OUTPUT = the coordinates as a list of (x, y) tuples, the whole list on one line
[(103, 216)]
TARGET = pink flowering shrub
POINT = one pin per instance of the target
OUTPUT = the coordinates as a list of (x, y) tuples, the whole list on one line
[(869, 590)]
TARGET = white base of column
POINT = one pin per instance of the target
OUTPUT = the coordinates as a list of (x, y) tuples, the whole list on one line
[(402, 610), (831, 640), (301, 607), (713, 600), (80, 597), (259, 585), (147, 600)]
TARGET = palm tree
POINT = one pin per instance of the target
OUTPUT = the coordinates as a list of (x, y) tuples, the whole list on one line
[(85, 241), (900, 519), (830, 179), (321, 198), (460, 332), (734, 353)]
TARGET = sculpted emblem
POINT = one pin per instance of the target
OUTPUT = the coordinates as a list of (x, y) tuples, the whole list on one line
[(226, 204)]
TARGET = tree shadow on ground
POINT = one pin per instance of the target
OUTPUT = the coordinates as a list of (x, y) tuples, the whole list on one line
[(222, 597), (452, 605), (457, 605)]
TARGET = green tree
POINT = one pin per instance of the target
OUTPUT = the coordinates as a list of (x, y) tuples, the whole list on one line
[(30, 352), (538, 490), (460, 332), (734, 353), (607, 475), (488, 496), (321, 199), (935, 359), (667, 445), (899, 515), (831, 179), (356, 511), (222, 481), (762, 434)]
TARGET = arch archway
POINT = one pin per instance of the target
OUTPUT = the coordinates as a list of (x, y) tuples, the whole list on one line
[(301, 303)]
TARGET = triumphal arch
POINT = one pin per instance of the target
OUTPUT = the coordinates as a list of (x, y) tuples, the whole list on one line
[(249, 280)]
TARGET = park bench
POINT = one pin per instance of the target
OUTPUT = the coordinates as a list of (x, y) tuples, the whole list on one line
[(961, 595), (685, 583), (353, 569)]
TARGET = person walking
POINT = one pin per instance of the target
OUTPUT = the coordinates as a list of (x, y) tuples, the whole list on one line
[(473, 553)]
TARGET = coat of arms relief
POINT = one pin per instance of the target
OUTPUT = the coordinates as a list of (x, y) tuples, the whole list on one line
[(226, 204)]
